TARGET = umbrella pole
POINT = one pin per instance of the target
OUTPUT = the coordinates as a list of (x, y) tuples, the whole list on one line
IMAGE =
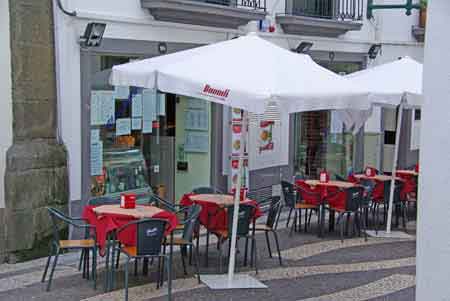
[(237, 192), (394, 165)]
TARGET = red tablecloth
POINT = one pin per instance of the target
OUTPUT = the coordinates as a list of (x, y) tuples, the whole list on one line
[(218, 218), (335, 199), (409, 185), (106, 223)]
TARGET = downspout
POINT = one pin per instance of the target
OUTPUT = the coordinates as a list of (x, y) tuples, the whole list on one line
[(71, 14)]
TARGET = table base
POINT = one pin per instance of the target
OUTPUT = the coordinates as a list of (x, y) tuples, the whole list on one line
[(220, 282)]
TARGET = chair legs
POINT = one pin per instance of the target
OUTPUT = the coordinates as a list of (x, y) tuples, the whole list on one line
[(48, 263), (268, 243), (197, 265), (289, 217), (126, 278), (55, 261), (278, 246)]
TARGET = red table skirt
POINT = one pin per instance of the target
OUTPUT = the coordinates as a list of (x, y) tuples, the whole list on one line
[(409, 185), (335, 201), (109, 222), (218, 218)]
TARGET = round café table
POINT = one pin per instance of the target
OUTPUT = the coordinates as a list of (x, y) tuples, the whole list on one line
[(407, 172), (214, 214), (108, 218), (324, 187)]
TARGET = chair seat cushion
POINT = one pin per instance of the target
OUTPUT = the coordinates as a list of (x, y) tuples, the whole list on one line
[(221, 233), (82, 243), (177, 241), (305, 206), (130, 251), (261, 227)]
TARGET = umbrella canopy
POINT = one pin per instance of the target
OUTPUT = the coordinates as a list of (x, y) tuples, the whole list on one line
[(388, 83), (247, 72)]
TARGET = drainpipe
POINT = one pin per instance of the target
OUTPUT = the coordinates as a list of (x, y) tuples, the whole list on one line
[(72, 13)]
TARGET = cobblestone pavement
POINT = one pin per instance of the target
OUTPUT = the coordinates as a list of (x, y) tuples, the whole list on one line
[(313, 269)]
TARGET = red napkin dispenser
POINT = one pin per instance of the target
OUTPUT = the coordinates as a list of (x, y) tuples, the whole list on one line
[(128, 201), (324, 177), (242, 195)]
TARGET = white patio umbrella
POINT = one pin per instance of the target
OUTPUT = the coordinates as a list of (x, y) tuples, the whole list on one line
[(248, 73), (398, 83)]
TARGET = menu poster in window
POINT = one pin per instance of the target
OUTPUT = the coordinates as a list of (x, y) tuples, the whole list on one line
[(147, 126), (161, 104), (136, 105), (95, 135), (196, 120), (149, 104), (123, 126), (121, 92), (136, 123), (196, 142), (196, 104), (102, 107), (97, 158)]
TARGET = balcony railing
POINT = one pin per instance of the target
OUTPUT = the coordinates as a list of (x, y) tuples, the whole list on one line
[(351, 10), (254, 4)]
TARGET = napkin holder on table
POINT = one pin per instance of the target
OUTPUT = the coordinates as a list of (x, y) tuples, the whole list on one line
[(128, 201)]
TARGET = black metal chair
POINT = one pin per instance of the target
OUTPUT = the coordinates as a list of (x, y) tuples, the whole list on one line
[(150, 234), (245, 218), (366, 203), (290, 198), (339, 178), (354, 199), (206, 190), (58, 244), (271, 225), (186, 240), (398, 204), (300, 194)]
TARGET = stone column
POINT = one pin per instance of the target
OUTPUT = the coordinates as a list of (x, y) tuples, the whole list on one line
[(433, 231), (36, 172)]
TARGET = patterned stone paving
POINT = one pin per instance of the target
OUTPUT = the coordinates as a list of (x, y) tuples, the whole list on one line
[(314, 269)]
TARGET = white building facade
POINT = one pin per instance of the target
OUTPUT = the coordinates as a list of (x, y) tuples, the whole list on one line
[(137, 29)]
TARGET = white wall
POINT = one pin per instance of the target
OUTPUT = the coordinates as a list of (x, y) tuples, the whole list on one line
[(433, 231), (5, 93), (127, 20)]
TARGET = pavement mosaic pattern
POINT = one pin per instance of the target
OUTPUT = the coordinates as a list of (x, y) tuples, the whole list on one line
[(313, 269)]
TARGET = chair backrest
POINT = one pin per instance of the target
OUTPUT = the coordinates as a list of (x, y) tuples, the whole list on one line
[(149, 236), (245, 216), (397, 189), (104, 200), (162, 203), (339, 178), (289, 193), (369, 186), (57, 217), (354, 198), (206, 190), (261, 194), (274, 214), (191, 222)]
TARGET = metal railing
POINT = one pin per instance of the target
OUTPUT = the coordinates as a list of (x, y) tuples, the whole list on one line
[(351, 10), (255, 4)]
